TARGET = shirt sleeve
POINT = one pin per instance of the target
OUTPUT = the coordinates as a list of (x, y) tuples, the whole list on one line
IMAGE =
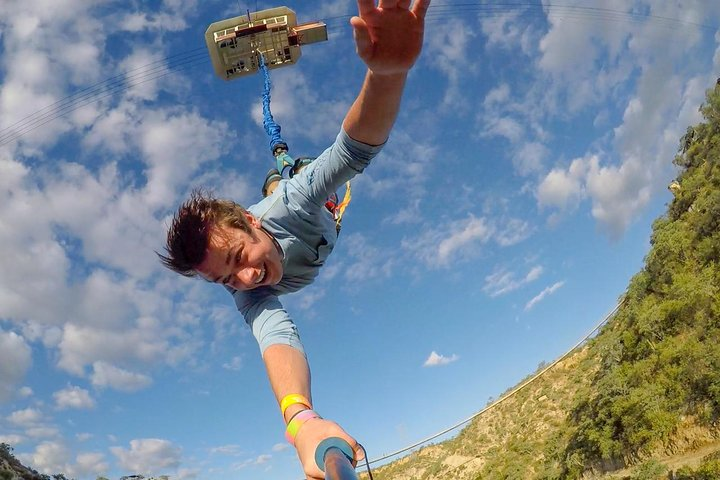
[(339, 163), (268, 319)]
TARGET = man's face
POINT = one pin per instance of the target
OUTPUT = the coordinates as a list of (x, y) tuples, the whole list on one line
[(240, 260)]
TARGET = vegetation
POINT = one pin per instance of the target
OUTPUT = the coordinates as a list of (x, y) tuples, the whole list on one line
[(660, 356)]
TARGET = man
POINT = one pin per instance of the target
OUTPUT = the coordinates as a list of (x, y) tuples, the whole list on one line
[(278, 245)]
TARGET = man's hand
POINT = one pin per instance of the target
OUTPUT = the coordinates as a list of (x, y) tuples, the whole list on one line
[(389, 37), (310, 435)]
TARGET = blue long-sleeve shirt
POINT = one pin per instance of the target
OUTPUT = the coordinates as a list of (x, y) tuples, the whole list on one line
[(295, 215)]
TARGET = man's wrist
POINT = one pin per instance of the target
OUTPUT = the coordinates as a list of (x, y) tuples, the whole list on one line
[(387, 77), (293, 410)]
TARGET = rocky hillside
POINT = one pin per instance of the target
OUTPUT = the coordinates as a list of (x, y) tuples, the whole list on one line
[(639, 401), (12, 469)]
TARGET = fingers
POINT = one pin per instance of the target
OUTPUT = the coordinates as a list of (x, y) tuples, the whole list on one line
[(359, 452), (388, 4), (365, 7), (363, 42), (404, 4), (420, 8)]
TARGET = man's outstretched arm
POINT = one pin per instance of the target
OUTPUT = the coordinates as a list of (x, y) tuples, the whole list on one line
[(388, 39)]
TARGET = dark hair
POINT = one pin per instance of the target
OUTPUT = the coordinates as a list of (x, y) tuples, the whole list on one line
[(189, 233)]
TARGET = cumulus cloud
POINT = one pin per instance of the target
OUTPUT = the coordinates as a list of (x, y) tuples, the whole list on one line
[(27, 417), (540, 296), (73, 397), (564, 188), (48, 458), (15, 360), (437, 360), (89, 464), (106, 375), (148, 456), (53, 457)]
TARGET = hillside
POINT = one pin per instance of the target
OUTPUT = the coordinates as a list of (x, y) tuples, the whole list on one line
[(641, 400)]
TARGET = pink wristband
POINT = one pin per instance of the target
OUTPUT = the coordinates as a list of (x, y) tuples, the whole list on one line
[(298, 420)]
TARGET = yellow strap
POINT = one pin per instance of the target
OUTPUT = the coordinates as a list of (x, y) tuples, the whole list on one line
[(340, 209), (293, 399)]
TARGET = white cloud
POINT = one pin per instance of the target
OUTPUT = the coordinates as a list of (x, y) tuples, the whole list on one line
[(235, 364), (89, 464), (529, 158), (259, 460), (300, 108), (280, 447), (73, 397), (447, 43), (503, 126), (55, 457), (25, 418), (502, 281), (564, 189), (148, 456), (366, 261), (106, 375), (232, 450), (437, 360), (48, 458), (442, 244), (471, 232), (539, 297), (12, 439), (512, 231), (15, 360), (497, 96), (507, 32), (42, 432), (171, 17)]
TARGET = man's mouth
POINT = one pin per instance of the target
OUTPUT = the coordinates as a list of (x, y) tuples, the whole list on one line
[(262, 275)]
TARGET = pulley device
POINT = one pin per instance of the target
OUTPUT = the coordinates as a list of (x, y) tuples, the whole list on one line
[(236, 44)]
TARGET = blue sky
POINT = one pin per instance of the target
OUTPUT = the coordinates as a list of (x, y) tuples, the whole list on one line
[(502, 221)]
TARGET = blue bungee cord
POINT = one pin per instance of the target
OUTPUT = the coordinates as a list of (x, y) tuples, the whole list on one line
[(278, 147)]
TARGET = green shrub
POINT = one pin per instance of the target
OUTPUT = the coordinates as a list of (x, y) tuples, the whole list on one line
[(650, 470)]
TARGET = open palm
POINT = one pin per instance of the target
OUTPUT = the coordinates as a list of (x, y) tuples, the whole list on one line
[(389, 36)]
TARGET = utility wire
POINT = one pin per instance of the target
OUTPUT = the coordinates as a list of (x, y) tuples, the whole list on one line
[(505, 397), (185, 60)]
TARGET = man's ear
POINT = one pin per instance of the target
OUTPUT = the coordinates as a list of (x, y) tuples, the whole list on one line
[(252, 220)]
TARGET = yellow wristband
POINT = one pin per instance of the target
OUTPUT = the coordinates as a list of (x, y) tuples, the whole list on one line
[(293, 399)]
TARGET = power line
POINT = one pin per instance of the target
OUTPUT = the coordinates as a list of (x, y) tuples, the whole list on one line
[(184, 60), (509, 395)]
